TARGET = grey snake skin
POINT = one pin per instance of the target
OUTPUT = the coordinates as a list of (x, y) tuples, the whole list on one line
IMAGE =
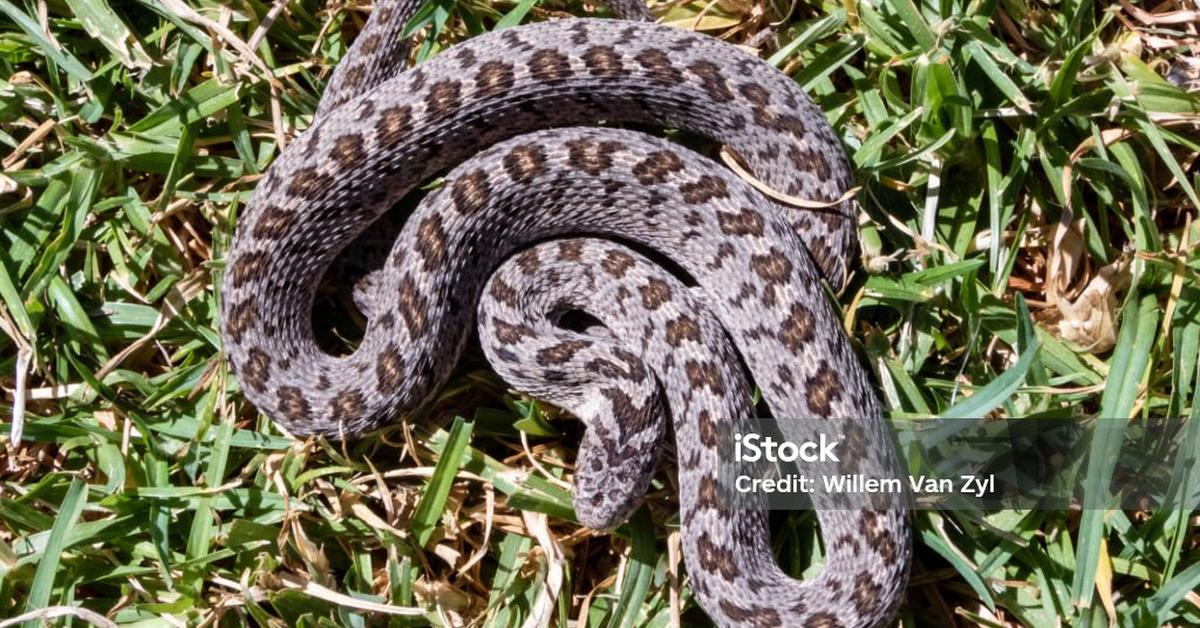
[(539, 215)]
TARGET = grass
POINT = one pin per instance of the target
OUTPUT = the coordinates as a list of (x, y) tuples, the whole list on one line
[(1004, 148)]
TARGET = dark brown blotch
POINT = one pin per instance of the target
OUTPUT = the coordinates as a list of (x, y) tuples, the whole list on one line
[(549, 66), (353, 77), (257, 369), (746, 222), (879, 539), (617, 263), (525, 162), (604, 368), (655, 293), (493, 78), (444, 98), (704, 375), (754, 617), (389, 370), (790, 124), (755, 93), (413, 308), (503, 292), (847, 543), (272, 222), (561, 352), (309, 184), (716, 558), (348, 151), (603, 61), (292, 404), (242, 315), (528, 261), (251, 267), (708, 494), (867, 592), (635, 368), (707, 427), (471, 192), (797, 329), (394, 125), (592, 156), (658, 64), (823, 620), (704, 189), (681, 329), (773, 267), (830, 265), (431, 242), (570, 250), (346, 406), (657, 166), (508, 333), (632, 419), (823, 388), (711, 80), (809, 160)]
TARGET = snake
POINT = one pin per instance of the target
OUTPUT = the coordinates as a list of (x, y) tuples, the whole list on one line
[(552, 190)]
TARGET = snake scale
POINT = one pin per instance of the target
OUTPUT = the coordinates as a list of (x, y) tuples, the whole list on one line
[(543, 212)]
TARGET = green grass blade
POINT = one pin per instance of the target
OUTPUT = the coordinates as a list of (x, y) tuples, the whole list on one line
[(1139, 322), (958, 561), (917, 26), (433, 499), (1160, 604), (515, 16), (48, 566), (995, 392), (638, 573), (106, 26), (33, 30)]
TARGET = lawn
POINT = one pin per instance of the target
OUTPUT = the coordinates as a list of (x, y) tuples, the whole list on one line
[(1029, 186)]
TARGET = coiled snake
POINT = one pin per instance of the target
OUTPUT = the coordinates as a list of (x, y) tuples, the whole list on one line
[(501, 112)]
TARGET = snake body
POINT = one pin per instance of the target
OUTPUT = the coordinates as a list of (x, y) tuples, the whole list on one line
[(752, 275)]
